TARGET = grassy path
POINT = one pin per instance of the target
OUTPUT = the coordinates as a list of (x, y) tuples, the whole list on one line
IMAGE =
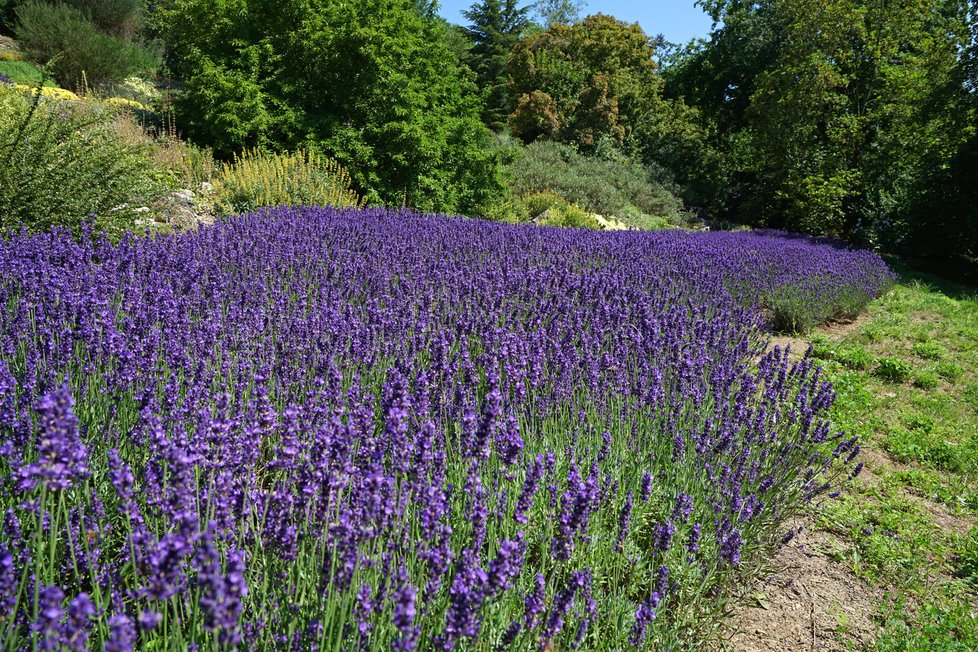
[(893, 563)]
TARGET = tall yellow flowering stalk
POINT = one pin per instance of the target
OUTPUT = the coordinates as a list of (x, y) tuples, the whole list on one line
[(257, 179)]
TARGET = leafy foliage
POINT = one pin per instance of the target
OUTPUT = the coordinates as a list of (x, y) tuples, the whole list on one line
[(61, 163), (608, 187), (258, 180), (837, 117), (371, 84), (599, 75), (74, 49), (496, 26)]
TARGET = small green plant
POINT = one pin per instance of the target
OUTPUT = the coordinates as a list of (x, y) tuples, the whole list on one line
[(538, 203), (893, 370), (970, 395), (929, 350), (950, 370), (853, 356), (924, 447), (926, 380), (258, 179)]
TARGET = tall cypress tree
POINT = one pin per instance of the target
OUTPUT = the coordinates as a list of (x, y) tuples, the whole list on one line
[(495, 27)]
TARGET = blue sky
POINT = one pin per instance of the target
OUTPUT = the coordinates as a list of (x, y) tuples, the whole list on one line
[(678, 20)]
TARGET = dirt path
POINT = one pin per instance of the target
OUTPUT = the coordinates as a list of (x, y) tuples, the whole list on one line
[(810, 601)]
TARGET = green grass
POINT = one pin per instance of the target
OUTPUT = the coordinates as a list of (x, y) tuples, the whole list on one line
[(23, 72), (907, 384)]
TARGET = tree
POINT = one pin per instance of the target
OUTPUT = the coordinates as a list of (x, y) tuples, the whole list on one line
[(596, 84), (598, 78), (371, 84), (559, 12), (830, 114), (495, 27)]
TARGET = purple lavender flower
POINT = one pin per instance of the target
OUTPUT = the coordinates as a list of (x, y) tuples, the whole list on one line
[(404, 615), (624, 520), (122, 634), (62, 457), (646, 490), (730, 547), (662, 535), (644, 615)]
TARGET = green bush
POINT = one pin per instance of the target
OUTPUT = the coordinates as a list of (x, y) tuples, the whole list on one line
[(893, 370), (75, 51), (258, 180), (550, 209), (373, 85), (61, 162), (121, 18), (608, 187), (570, 216), (538, 203)]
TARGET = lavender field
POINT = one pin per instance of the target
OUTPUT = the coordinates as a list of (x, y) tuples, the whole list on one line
[(318, 429)]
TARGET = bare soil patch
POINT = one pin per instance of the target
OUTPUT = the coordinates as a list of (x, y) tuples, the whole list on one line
[(806, 603)]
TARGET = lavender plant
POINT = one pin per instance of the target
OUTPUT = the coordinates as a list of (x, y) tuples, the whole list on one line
[(337, 429)]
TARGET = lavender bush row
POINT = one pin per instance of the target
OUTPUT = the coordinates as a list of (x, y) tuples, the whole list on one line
[(324, 429)]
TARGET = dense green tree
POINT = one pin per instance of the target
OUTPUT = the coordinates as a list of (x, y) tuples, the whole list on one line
[(371, 83), (495, 27), (943, 220), (830, 113), (596, 84), (600, 76)]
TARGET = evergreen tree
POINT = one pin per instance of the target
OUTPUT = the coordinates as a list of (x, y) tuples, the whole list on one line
[(495, 27)]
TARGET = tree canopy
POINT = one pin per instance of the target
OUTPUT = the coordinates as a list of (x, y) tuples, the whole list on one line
[(372, 84), (832, 115)]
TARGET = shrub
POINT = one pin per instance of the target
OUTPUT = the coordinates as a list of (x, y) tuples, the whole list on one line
[(507, 208), (893, 370), (74, 50), (619, 188), (568, 216), (121, 18), (257, 180), (538, 203), (61, 161)]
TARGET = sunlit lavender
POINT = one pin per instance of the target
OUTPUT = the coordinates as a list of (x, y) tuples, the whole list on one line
[(324, 429)]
